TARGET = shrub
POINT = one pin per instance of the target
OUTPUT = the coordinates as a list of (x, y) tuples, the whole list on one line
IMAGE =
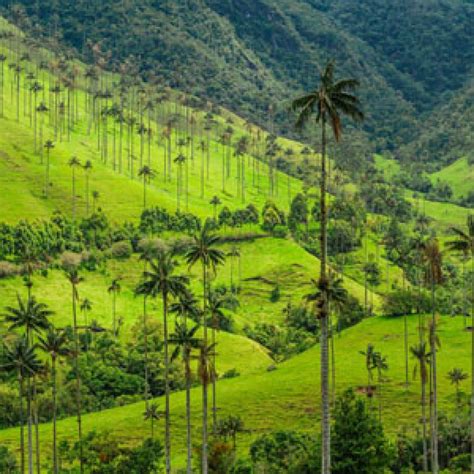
[(121, 250), (7, 461), (8, 269), (280, 231)]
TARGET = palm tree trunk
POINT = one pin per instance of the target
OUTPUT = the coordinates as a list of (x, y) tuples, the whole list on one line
[(434, 434), (167, 384), (30, 422), (78, 379), (22, 431), (204, 384), (55, 450), (214, 391), (423, 418), (188, 417), (145, 349), (323, 315), (36, 422)]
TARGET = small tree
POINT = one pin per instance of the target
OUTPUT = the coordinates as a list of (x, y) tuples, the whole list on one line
[(358, 441)]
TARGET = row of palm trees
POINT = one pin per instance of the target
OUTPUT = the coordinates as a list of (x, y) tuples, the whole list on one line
[(161, 279), (130, 108)]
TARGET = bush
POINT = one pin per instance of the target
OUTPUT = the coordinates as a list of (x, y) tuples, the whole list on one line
[(8, 270), (7, 461), (280, 231), (121, 250), (230, 374)]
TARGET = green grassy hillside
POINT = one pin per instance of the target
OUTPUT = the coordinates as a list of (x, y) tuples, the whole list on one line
[(288, 398)]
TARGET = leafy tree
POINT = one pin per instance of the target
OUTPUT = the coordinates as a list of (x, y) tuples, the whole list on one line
[(456, 376), (358, 443)]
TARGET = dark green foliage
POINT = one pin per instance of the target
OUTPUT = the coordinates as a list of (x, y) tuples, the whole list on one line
[(383, 198), (298, 211), (278, 452), (157, 220), (401, 302), (342, 237), (358, 441), (103, 454), (8, 463), (301, 317), (350, 313)]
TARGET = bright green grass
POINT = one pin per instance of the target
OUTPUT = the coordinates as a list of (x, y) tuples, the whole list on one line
[(288, 398), (388, 166), (121, 197), (459, 175)]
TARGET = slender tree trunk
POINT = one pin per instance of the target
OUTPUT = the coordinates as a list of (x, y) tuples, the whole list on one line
[(36, 422), (323, 315), (145, 351), (188, 417), (405, 336), (167, 384), (204, 384), (423, 417), (22, 420), (434, 434), (55, 450), (78, 379), (214, 390), (30, 423)]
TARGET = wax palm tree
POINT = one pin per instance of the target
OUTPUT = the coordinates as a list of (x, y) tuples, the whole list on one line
[(381, 365), (74, 163), (186, 306), (328, 101), (179, 160), (217, 304), (87, 173), (432, 259), (75, 279), (206, 355), (203, 250), (456, 376), (185, 340), (49, 145), (22, 360), (233, 253), (215, 203), (54, 343), (369, 356), (338, 297), (41, 109), (114, 290), (162, 280), (153, 414), (30, 316), (147, 174), (422, 356), (464, 243)]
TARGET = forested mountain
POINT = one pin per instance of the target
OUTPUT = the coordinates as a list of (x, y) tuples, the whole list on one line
[(253, 55)]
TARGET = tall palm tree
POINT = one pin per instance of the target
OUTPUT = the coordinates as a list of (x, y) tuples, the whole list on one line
[(161, 279), (381, 365), (114, 290), (54, 343), (233, 253), (423, 357), (147, 174), (74, 163), (217, 304), (75, 279), (41, 109), (204, 250), (464, 243), (49, 145), (87, 173), (185, 340), (179, 160), (328, 101), (32, 317), (21, 359), (151, 413), (432, 258)]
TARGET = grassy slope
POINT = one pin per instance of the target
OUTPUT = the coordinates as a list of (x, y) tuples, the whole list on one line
[(459, 175), (288, 397)]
